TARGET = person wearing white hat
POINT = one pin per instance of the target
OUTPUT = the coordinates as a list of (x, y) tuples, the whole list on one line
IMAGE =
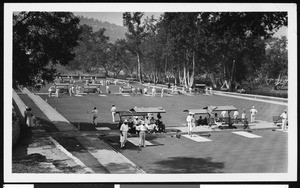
[(190, 123), (123, 133), (284, 120), (253, 112)]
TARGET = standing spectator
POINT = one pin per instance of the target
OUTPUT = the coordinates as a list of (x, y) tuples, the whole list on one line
[(253, 112), (123, 133), (284, 120), (244, 115), (95, 115), (162, 92), (56, 92), (70, 91), (145, 90), (235, 115), (113, 111), (107, 89), (153, 92), (28, 116), (142, 132)]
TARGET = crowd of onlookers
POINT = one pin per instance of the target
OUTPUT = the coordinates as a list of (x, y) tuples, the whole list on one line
[(153, 125)]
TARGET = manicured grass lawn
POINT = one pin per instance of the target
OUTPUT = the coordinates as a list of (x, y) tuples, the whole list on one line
[(77, 109)]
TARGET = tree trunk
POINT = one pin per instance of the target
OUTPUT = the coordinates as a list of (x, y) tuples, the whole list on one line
[(139, 72), (184, 76), (191, 82), (231, 76)]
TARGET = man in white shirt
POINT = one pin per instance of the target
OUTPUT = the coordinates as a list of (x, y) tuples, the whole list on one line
[(284, 120), (153, 92), (235, 115), (190, 123), (253, 112), (113, 112)]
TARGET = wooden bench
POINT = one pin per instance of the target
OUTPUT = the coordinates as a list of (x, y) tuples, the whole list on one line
[(90, 90)]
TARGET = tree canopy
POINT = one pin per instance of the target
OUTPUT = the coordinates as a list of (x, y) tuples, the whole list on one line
[(40, 41), (182, 47)]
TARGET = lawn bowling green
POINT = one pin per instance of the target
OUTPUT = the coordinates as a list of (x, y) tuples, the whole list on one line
[(259, 151)]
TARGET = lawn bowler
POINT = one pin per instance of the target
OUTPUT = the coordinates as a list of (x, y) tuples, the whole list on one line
[(95, 115), (284, 120), (113, 111), (143, 129), (253, 112), (123, 133), (190, 123)]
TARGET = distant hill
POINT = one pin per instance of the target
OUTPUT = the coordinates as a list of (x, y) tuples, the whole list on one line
[(113, 31)]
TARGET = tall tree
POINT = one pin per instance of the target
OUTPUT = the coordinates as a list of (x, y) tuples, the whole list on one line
[(135, 36), (40, 41)]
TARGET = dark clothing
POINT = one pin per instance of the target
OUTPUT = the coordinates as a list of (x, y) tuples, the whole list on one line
[(159, 116)]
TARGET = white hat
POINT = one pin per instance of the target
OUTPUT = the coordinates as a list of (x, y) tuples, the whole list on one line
[(191, 113), (125, 121), (253, 107)]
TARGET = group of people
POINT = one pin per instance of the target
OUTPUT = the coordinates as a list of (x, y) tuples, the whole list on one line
[(192, 122), (140, 126)]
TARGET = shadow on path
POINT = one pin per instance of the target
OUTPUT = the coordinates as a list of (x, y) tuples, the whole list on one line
[(188, 165)]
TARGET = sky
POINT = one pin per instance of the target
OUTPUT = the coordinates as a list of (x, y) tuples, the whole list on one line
[(116, 18)]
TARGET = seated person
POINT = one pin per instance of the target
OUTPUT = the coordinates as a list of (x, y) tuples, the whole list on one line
[(159, 116), (160, 126), (147, 120), (205, 121), (217, 120), (152, 126), (199, 121)]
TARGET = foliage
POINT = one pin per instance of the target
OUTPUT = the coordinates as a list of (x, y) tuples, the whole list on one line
[(135, 36), (40, 41), (182, 46)]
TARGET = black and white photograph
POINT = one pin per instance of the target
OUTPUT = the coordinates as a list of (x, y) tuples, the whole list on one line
[(150, 92)]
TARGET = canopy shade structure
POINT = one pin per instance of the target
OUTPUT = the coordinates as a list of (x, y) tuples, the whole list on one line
[(149, 110), (221, 108), (130, 113), (196, 111)]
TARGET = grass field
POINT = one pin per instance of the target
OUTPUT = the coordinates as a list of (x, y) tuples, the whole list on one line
[(77, 109)]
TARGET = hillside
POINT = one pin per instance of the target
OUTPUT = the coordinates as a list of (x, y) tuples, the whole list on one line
[(113, 31)]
